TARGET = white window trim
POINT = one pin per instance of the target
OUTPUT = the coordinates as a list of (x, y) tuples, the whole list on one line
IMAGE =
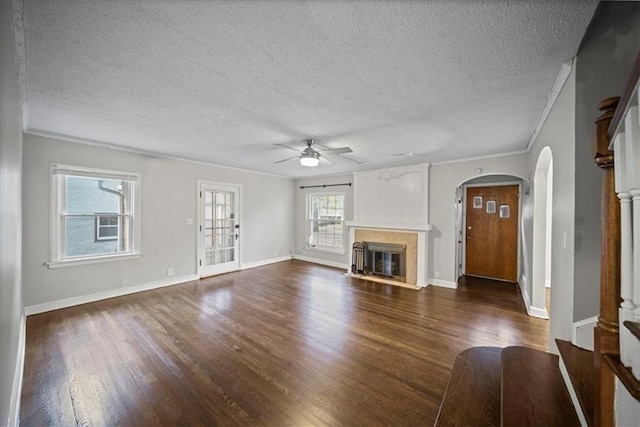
[(98, 227), (326, 249), (57, 195), (93, 260)]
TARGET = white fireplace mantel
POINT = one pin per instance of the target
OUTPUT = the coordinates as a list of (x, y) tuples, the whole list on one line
[(389, 226)]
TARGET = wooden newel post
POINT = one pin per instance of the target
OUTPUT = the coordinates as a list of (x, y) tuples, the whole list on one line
[(606, 338)]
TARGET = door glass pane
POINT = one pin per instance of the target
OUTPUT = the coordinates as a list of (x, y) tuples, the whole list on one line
[(219, 226), (219, 257)]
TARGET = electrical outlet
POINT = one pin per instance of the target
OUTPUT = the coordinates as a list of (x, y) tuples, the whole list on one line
[(169, 272), (189, 221), (275, 253), (437, 274)]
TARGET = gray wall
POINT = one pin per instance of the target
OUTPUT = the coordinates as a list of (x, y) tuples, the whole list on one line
[(300, 213), (557, 133), (602, 68), (10, 217), (168, 198)]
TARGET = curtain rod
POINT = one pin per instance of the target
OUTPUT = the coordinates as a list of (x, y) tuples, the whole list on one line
[(324, 185)]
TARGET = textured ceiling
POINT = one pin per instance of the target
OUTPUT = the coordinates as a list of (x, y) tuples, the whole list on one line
[(221, 82)]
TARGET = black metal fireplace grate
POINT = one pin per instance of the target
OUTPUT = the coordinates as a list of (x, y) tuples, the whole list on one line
[(359, 251)]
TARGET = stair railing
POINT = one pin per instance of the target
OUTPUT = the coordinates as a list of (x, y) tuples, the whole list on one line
[(617, 349)]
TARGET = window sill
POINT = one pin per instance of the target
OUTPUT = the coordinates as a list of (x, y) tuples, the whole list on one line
[(326, 250), (91, 260)]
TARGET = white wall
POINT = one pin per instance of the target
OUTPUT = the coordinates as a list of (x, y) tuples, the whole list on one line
[(168, 198), (11, 319), (301, 238), (444, 178), (557, 133), (393, 196)]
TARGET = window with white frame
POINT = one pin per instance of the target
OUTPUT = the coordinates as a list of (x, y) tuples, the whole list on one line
[(325, 221), (107, 227), (93, 214)]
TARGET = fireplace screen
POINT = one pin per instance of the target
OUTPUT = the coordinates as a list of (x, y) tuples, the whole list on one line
[(386, 260)]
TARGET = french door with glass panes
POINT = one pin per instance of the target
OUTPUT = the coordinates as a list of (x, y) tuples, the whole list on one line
[(218, 228)]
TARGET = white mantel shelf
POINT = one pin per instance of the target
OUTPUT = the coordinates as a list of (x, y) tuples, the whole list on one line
[(386, 226)]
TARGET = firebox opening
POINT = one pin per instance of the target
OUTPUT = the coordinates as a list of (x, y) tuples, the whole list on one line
[(380, 259)]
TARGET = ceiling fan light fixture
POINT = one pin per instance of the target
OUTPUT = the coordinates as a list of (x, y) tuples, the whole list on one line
[(309, 160)]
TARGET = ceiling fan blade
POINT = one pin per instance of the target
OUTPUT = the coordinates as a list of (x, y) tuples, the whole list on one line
[(286, 160), (409, 154), (322, 158), (354, 159), (342, 150), (283, 145)]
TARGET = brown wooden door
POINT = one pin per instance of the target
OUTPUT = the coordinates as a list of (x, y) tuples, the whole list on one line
[(492, 232)]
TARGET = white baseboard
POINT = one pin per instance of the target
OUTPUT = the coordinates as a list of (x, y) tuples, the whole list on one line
[(321, 261), (538, 312), (69, 302), (582, 332), (16, 389), (443, 283), (260, 263), (525, 294), (572, 393), (531, 310)]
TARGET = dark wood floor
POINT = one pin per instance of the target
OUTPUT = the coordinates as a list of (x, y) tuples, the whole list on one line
[(291, 343)]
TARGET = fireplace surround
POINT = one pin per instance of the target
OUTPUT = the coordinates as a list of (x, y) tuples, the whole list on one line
[(414, 240)]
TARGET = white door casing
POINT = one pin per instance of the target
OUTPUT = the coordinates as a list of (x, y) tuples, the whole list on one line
[(218, 228)]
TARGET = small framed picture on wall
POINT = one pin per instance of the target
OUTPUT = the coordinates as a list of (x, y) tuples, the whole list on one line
[(491, 206), (477, 202)]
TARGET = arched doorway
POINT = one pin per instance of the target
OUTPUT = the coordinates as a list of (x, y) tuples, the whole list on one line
[(542, 220)]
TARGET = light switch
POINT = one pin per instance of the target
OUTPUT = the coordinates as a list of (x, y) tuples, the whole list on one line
[(189, 221)]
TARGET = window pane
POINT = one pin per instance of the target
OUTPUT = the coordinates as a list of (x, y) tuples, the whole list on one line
[(80, 239), (108, 232), (326, 216), (220, 198), (92, 195)]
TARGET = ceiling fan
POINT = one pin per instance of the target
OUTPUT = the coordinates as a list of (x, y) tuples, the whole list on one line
[(311, 154)]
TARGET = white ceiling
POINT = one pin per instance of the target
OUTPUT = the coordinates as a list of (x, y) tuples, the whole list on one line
[(221, 82)]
